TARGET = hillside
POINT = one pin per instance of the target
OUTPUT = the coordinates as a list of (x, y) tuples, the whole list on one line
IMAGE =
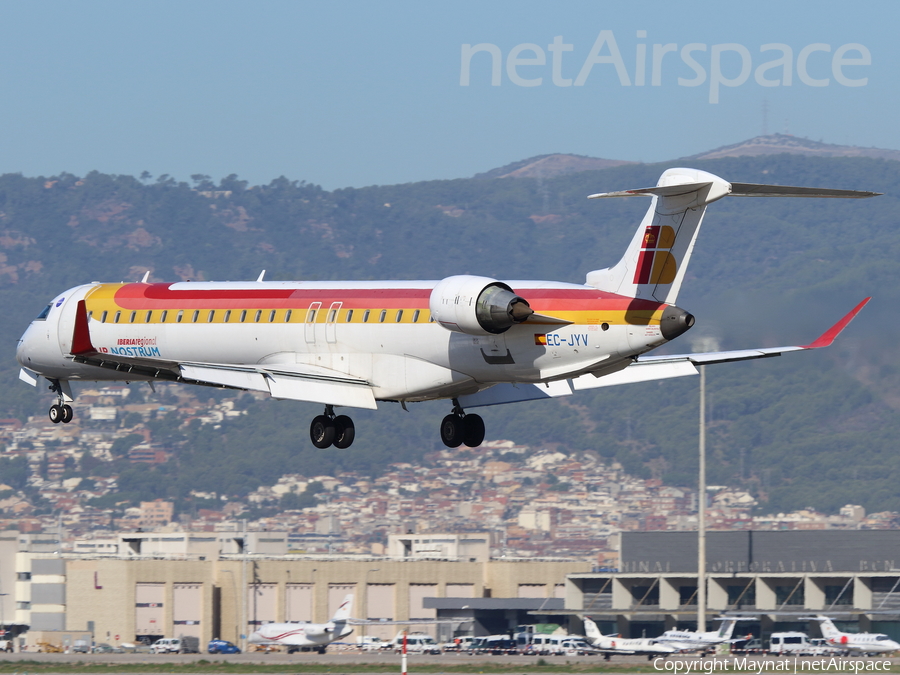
[(765, 272)]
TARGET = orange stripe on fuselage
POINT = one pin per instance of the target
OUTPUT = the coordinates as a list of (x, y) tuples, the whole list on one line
[(581, 306)]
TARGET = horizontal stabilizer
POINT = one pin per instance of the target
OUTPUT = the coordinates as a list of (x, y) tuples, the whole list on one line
[(757, 190), (659, 190)]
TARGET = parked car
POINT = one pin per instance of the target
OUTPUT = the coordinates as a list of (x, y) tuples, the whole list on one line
[(81, 647), (218, 646), (166, 646), (187, 644), (106, 648)]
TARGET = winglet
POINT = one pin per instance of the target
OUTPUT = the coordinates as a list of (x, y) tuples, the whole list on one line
[(81, 335), (826, 338)]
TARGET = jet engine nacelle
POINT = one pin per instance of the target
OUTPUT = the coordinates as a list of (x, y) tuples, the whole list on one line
[(477, 305), (318, 630)]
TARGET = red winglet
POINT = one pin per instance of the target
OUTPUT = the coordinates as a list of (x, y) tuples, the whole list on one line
[(826, 338), (81, 336)]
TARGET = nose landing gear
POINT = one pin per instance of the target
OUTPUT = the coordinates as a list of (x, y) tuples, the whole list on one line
[(330, 429), (61, 411), (458, 428)]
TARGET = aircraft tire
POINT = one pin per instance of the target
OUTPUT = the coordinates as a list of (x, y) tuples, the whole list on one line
[(344, 432), (473, 430), (321, 431), (67, 414), (56, 414), (452, 430)]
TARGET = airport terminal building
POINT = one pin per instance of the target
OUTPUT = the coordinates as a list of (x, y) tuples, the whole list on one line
[(147, 585), (778, 577)]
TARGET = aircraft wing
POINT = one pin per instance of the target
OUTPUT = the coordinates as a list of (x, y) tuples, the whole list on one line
[(644, 369), (296, 381), (408, 622)]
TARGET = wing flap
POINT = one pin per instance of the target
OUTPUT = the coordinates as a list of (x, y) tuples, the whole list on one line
[(514, 393), (317, 390), (236, 378), (636, 372)]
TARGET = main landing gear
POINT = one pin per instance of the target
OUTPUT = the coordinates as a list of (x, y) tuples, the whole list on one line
[(61, 411), (458, 428), (328, 429)]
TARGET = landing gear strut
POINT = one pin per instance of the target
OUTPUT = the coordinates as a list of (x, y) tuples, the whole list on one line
[(61, 411), (458, 428), (330, 429)]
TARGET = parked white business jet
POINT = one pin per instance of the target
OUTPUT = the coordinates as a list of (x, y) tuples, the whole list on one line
[(315, 636), (613, 644), (684, 640), (869, 643), (474, 340)]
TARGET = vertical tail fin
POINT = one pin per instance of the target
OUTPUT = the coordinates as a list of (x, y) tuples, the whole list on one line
[(726, 629), (827, 627), (591, 632), (654, 264), (655, 261), (343, 612)]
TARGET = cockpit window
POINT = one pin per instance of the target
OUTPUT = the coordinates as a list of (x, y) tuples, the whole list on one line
[(44, 313)]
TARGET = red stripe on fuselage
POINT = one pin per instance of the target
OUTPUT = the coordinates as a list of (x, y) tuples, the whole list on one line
[(162, 296)]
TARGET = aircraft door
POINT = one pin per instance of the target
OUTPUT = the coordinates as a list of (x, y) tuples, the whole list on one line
[(330, 321), (310, 328)]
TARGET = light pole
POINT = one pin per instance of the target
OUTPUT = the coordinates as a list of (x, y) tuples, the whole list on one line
[(701, 512)]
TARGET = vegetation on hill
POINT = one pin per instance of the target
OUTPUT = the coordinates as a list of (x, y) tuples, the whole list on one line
[(814, 429)]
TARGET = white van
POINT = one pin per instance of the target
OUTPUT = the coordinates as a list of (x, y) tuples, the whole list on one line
[(416, 643), (791, 642), (543, 644), (166, 646)]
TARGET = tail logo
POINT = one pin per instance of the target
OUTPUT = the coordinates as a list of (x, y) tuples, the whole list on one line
[(655, 264)]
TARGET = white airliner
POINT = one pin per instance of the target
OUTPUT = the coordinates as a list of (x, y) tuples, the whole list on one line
[(316, 636), (688, 639), (474, 340), (613, 644), (869, 643)]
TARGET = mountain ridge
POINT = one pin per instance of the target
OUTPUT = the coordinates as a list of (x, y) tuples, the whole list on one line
[(559, 164)]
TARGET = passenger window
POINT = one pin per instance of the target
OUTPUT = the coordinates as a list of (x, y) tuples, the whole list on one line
[(90, 315), (349, 315), (149, 316), (212, 316), (227, 316), (430, 319), (399, 315), (243, 315), (163, 316), (179, 316), (332, 315), (311, 316), (117, 317), (133, 316), (416, 316), (382, 315), (287, 316), (258, 315), (366, 315), (271, 316), (103, 317), (195, 316), (45, 312)]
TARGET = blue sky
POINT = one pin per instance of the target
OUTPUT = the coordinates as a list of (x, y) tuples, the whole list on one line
[(359, 93)]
